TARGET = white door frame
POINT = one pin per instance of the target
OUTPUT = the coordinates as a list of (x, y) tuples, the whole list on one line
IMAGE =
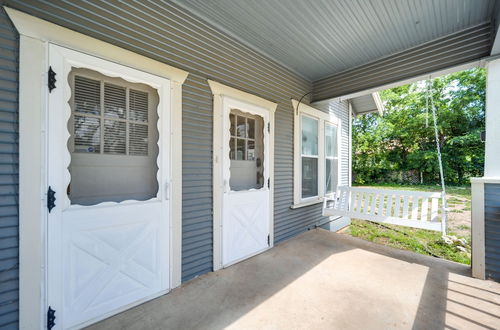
[(35, 36), (220, 92)]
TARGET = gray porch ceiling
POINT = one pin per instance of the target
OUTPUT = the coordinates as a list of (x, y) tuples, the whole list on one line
[(320, 38)]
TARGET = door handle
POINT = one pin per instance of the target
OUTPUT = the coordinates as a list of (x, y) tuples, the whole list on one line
[(226, 190)]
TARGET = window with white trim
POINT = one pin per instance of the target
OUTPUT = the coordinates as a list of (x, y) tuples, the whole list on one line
[(316, 149)]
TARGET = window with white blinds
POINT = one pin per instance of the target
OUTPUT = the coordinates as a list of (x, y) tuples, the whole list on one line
[(109, 118)]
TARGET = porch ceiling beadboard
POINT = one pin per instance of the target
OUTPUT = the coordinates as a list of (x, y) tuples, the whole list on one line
[(452, 50), (9, 285), (323, 37), (168, 33)]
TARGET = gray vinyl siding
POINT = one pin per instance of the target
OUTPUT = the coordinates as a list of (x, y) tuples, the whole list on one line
[(9, 285), (492, 230), (452, 50), (165, 32)]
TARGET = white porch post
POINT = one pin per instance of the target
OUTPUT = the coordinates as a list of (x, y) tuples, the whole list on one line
[(492, 153), (491, 167)]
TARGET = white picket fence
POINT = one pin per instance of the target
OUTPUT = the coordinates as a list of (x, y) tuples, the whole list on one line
[(418, 209)]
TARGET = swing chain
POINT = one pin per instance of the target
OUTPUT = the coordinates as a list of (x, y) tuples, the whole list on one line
[(440, 161)]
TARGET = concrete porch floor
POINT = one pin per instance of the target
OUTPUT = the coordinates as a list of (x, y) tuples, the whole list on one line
[(323, 280)]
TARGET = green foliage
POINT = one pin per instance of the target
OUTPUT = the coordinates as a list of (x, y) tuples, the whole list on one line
[(417, 240), (401, 142)]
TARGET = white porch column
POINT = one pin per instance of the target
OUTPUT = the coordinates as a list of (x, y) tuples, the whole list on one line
[(492, 152), (491, 168)]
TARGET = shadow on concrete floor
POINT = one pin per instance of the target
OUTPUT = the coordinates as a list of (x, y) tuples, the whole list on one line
[(324, 280)]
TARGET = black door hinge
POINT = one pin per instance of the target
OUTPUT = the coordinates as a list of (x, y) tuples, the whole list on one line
[(51, 199), (51, 79), (51, 318), (269, 127), (269, 183), (268, 240)]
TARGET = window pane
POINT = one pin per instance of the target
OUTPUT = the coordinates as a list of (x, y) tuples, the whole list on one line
[(232, 119), (240, 149), (331, 171), (138, 106), (309, 177), (251, 150), (138, 139), (251, 128), (241, 126), (330, 140), (114, 137), (87, 95), (232, 148), (115, 101), (87, 134), (309, 136)]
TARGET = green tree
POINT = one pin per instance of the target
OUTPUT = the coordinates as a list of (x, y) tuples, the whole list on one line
[(401, 142)]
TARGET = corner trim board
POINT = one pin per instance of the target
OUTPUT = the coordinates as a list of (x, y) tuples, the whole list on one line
[(477, 228)]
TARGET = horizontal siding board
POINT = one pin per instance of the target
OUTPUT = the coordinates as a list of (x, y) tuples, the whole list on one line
[(492, 230), (9, 246)]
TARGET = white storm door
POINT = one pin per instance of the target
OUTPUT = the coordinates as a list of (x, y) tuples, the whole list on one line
[(246, 196), (108, 161)]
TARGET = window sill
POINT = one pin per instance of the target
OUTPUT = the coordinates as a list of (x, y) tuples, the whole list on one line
[(307, 203)]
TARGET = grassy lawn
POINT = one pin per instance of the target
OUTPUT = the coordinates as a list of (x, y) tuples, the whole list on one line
[(418, 240)]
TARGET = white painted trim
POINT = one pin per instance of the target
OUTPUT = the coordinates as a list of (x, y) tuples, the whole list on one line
[(32, 180), (317, 200), (35, 35), (478, 230), (486, 180), (492, 145), (220, 92), (349, 152), (378, 103), (224, 90), (322, 117)]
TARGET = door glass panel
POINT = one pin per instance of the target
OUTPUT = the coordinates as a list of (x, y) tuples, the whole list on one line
[(113, 152), (87, 134), (138, 106), (138, 139), (232, 148), (240, 149), (250, 150), (309, 136), (247, 163), (251, 128), (232, 119), (241, 126), (114, 137), (87, 94), (115, 100), (309, 177)]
